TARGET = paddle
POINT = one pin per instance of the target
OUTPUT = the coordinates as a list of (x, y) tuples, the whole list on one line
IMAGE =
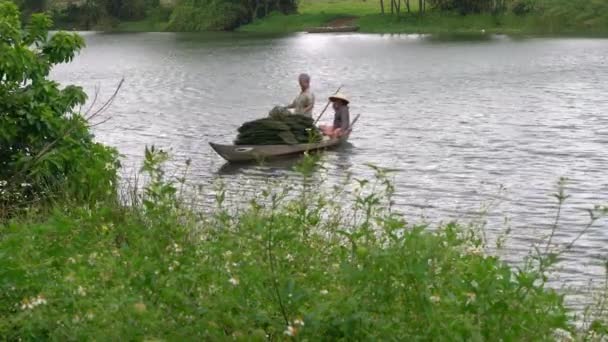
[(350, 128), (327, 105), (354, 121)]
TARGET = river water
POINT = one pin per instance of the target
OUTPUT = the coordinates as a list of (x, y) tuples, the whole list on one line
[(458, 118)]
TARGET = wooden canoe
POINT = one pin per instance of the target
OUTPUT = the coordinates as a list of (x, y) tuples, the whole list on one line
[(244, 153), (332, 29)]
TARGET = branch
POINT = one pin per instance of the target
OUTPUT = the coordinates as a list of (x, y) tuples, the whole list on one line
[(67, 132)]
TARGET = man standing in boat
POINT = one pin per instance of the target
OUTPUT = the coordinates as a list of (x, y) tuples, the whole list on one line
[(304, 103)]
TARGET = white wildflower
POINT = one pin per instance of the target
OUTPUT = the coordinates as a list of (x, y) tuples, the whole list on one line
[(291, 331), (289, 257), (92, 258), (324, 292), (299, 322), (3, 183), (30, 303), (474, 284), (81, 291), (471, 296), (474, 250), (435, 299), (25, 185), (234, 281), (563, 335)]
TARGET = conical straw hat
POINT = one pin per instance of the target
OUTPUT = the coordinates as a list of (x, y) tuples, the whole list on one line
[(339, 96)]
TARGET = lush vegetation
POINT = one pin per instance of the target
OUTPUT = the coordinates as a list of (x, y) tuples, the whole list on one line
[(45, 145), (298, 262), (448, 16), (292, 263), (391, 16), (179, 15), (199, 15)]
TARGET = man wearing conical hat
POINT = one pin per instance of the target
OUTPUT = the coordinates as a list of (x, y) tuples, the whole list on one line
[(304, 103), (341, 124)]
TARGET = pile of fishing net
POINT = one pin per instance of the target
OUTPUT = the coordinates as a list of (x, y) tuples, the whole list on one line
[(279, 128)]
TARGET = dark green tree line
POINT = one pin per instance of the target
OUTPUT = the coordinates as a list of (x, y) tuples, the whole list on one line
[(197, 15)]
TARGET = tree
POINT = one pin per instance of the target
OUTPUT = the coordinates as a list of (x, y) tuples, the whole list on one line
[(126, 9), (467, 6), (197, 15), (46, 147)]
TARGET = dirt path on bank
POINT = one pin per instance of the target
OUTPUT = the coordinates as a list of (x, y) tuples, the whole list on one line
[(341, 22)]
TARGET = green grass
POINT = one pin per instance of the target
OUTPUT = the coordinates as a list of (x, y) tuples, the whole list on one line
[(340, 7), (300, 262), (146, 25), (278, 23), (445, 23), (313, 13), (318, 13)]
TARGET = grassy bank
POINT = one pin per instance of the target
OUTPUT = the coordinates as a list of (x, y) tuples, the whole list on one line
[(586, 17), (82, 258), (376, 23), (293, 264), (561, 19)]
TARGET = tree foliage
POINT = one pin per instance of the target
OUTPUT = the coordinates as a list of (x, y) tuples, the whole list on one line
[(196, 15), (462, 6), (44, 143)]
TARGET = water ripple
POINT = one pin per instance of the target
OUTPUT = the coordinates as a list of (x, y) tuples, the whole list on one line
[(459, 120)]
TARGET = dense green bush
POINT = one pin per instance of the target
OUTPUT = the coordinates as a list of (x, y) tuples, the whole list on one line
[(197, 15), (462, 6), (214, 16), (129, 9), (522, 7), (45, 145), (298, 261)]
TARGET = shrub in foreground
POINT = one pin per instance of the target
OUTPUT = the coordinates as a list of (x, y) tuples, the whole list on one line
[(296, 263), (45, 145)]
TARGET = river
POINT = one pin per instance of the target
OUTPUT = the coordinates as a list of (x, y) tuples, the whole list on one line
[(458, 118)]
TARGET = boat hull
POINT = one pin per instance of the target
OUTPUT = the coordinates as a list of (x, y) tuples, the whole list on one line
[(245, 153), (330, 29)]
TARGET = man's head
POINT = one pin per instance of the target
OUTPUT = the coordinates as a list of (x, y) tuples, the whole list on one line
[(304, 80), (338, 100)]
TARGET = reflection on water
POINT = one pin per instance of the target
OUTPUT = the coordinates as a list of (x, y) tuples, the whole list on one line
[(284, 164), (459, 118)]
